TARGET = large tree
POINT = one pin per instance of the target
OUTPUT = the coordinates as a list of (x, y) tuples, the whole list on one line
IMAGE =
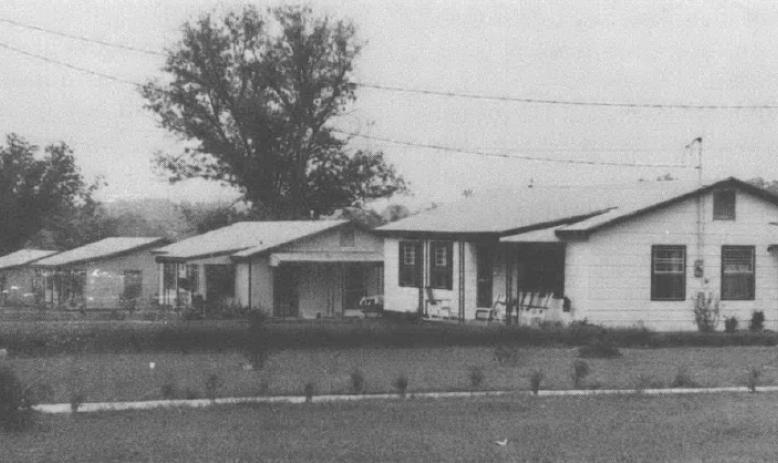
[(253, 94), (43, 197)]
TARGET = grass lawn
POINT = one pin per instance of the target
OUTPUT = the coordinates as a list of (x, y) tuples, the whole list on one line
[(118, 377), (702, 428)]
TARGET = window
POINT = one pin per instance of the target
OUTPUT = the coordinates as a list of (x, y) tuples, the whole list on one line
[(724, 205), (441, 270), (737, 273), (410, 263), (668, 273), (133, 284), (346, 237)]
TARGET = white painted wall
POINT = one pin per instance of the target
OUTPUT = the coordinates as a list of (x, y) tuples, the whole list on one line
[(608, 277), (406, 299)]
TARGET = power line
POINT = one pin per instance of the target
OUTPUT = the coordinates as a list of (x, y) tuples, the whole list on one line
[(505, 156), (474, 96), (83, 39), (68, 65)]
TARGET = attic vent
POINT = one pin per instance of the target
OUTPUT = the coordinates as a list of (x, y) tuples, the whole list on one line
[(724, 205)]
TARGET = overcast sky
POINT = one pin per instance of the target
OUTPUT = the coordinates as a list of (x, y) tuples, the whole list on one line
[(665, 53)]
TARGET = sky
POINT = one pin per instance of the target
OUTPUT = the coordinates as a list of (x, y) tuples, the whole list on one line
[(652, 53)]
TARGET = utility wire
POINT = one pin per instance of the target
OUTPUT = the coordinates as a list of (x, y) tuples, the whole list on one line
[(560, 102), (83, 39), (68, 65), (506, 156), (472, 96)]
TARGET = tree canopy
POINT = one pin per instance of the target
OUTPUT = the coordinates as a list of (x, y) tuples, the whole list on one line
[(253, 93), (42, 195)]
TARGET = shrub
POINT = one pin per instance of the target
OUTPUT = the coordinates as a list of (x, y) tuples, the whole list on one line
[(535, 379), (602, 346), (15, 403), (506, 355), (169, 390), (580, 371), (645, 381), (213, 383), (752, 380), (309, 389), (257, 344), (757, 321), (683, 379), (730, 324), (401, 384), (77, 399), (476, 376), (706, 312), (191, 394), (357, 382)]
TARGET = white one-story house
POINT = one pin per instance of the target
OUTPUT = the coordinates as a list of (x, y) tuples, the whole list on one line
[(113, 273), (307, 269), (613, 255), (20, 284)]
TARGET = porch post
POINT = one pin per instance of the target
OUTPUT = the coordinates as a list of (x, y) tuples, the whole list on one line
[(461, 280)]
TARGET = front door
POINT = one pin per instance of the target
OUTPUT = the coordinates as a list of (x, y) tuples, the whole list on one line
[(484, 265), (285, 292), (354, 286)]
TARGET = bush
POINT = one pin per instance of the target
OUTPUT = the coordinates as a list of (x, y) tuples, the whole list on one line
[(357, 382), (580, 371), (683, 379), (169, 390), (506, 355), (757, 321), (476, 376), (401, 384), (601, 347), (77, 399), (213, 383), (309, 389), (752, 381), (15, 403), (730, 324), (706, 312), (645, 381), (191, 394), (535, 380)]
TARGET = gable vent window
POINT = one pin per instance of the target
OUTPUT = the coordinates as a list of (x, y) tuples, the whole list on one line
[(724, 205)]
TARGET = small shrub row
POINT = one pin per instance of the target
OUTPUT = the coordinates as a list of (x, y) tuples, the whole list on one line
[(258, 337)]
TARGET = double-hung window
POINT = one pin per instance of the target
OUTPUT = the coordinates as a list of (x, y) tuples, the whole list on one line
[(668, 273), (737, 273), (410, 264), (441, 270)]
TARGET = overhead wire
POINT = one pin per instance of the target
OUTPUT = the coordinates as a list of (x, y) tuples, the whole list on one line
[(68, 65), (503, 155), (563, 102), (82, 38)]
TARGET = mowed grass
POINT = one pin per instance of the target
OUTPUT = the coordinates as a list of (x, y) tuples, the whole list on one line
[(120, 377), (709, 428)]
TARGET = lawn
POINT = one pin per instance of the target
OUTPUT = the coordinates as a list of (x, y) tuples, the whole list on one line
[(709, 428), (119, 377)]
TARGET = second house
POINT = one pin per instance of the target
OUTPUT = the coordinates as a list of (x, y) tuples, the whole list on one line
[(307, 269)]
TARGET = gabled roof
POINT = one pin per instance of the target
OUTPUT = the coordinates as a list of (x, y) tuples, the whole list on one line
[(245, 239), (621, 214), (23, 257), (103, 249), (575, 209)]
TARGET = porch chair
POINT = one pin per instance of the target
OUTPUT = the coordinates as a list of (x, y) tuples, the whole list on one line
[(498, 311)]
